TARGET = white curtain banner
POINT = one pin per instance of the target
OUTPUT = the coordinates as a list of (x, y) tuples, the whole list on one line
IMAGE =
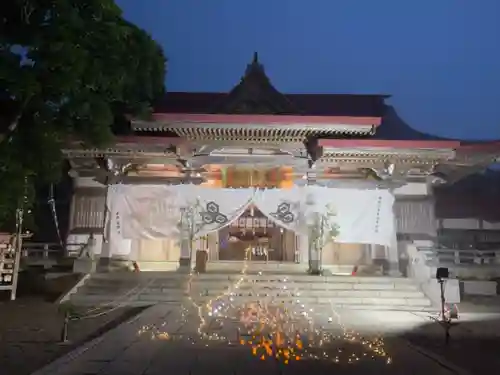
[(118, 246), (147, 211), (362, 216), (154, 212), (285, 207), (214, 208)]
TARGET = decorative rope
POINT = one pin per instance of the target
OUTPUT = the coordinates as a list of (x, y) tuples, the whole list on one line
[(52, 204)]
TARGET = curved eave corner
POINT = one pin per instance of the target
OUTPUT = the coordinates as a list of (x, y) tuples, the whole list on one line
[(481, 146)]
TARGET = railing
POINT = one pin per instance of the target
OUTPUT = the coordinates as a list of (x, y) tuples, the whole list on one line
[(466, 257), (47, 254)]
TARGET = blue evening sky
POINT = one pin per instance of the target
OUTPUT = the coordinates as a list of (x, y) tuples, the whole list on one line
[(439, 59)]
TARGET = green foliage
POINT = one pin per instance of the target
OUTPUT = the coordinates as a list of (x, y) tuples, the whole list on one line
[(69, 69), (324, 229)]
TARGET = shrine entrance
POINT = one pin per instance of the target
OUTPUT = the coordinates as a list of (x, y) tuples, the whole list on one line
[(254, 237)]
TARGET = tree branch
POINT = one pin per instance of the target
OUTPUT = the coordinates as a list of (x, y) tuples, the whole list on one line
[(11, 128)]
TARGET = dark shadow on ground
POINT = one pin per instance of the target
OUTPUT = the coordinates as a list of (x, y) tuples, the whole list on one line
[(473, 345), (30, 326)]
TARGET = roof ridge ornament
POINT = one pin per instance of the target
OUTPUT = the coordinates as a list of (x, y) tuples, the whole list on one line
[(255, 65)]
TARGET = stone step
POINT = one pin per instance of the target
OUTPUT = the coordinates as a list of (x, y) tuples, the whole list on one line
[(373, 303), (302, 278), (344, 283), (276, 292), (141, 303), (146, 288), (179, 295), (255, 286)]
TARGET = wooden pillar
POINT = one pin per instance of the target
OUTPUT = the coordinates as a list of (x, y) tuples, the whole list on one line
[(213, 246)]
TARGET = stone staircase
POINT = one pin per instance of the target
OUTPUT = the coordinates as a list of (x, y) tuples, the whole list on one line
[(147, 288)]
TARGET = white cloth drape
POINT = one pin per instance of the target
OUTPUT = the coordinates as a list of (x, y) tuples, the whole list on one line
[(147, 212), (150, 212), (361, 216), (214, 208), (116, 244), (283, 207)]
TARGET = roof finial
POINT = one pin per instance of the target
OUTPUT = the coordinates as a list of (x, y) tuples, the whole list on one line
[(255, 58), (255, 65)]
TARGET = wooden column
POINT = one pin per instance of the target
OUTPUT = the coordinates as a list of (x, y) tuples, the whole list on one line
[(213, 246)]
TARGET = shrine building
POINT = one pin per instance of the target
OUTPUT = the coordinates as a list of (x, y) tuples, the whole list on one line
[(255, 137)]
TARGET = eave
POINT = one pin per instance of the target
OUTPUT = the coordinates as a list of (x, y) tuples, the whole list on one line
[(255, 128), (388, 144), (128, 146), (264, 119), (424, 152)]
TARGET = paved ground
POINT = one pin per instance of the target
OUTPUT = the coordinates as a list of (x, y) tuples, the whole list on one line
[(30, 328), (474, 341), (164, 339)]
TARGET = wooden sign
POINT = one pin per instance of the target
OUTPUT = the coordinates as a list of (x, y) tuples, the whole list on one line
[(10, 259)]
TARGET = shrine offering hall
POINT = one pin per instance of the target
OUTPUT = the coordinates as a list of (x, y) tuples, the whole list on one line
[(263, 177)]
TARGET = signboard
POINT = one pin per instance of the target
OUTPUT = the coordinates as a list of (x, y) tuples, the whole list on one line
[(7, 261), (10, 258)]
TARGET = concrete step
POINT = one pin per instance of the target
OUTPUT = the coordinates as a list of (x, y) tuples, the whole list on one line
[(306, 282), (304, 287), (264, 277), (138, 289), (345, 302), (275, 292)]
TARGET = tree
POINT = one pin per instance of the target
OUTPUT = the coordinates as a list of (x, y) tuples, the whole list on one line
[(322, 230), (191, 224), (69, 69)]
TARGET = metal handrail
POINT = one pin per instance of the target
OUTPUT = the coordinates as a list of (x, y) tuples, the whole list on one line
[(461, 256), (49, 250)]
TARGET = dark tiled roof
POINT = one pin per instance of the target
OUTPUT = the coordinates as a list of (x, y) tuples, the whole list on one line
[(307, 104), (339, 104), (460, 207), (394, 127), (476, 196)]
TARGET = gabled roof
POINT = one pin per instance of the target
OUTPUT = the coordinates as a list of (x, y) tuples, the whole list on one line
[(306, 104), (340, 105), (255, 94)]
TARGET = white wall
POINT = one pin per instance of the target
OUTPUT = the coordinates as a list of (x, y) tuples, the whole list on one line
[(491, 226), (83, 239), (412, 189), (86, 182), (467, 223)]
